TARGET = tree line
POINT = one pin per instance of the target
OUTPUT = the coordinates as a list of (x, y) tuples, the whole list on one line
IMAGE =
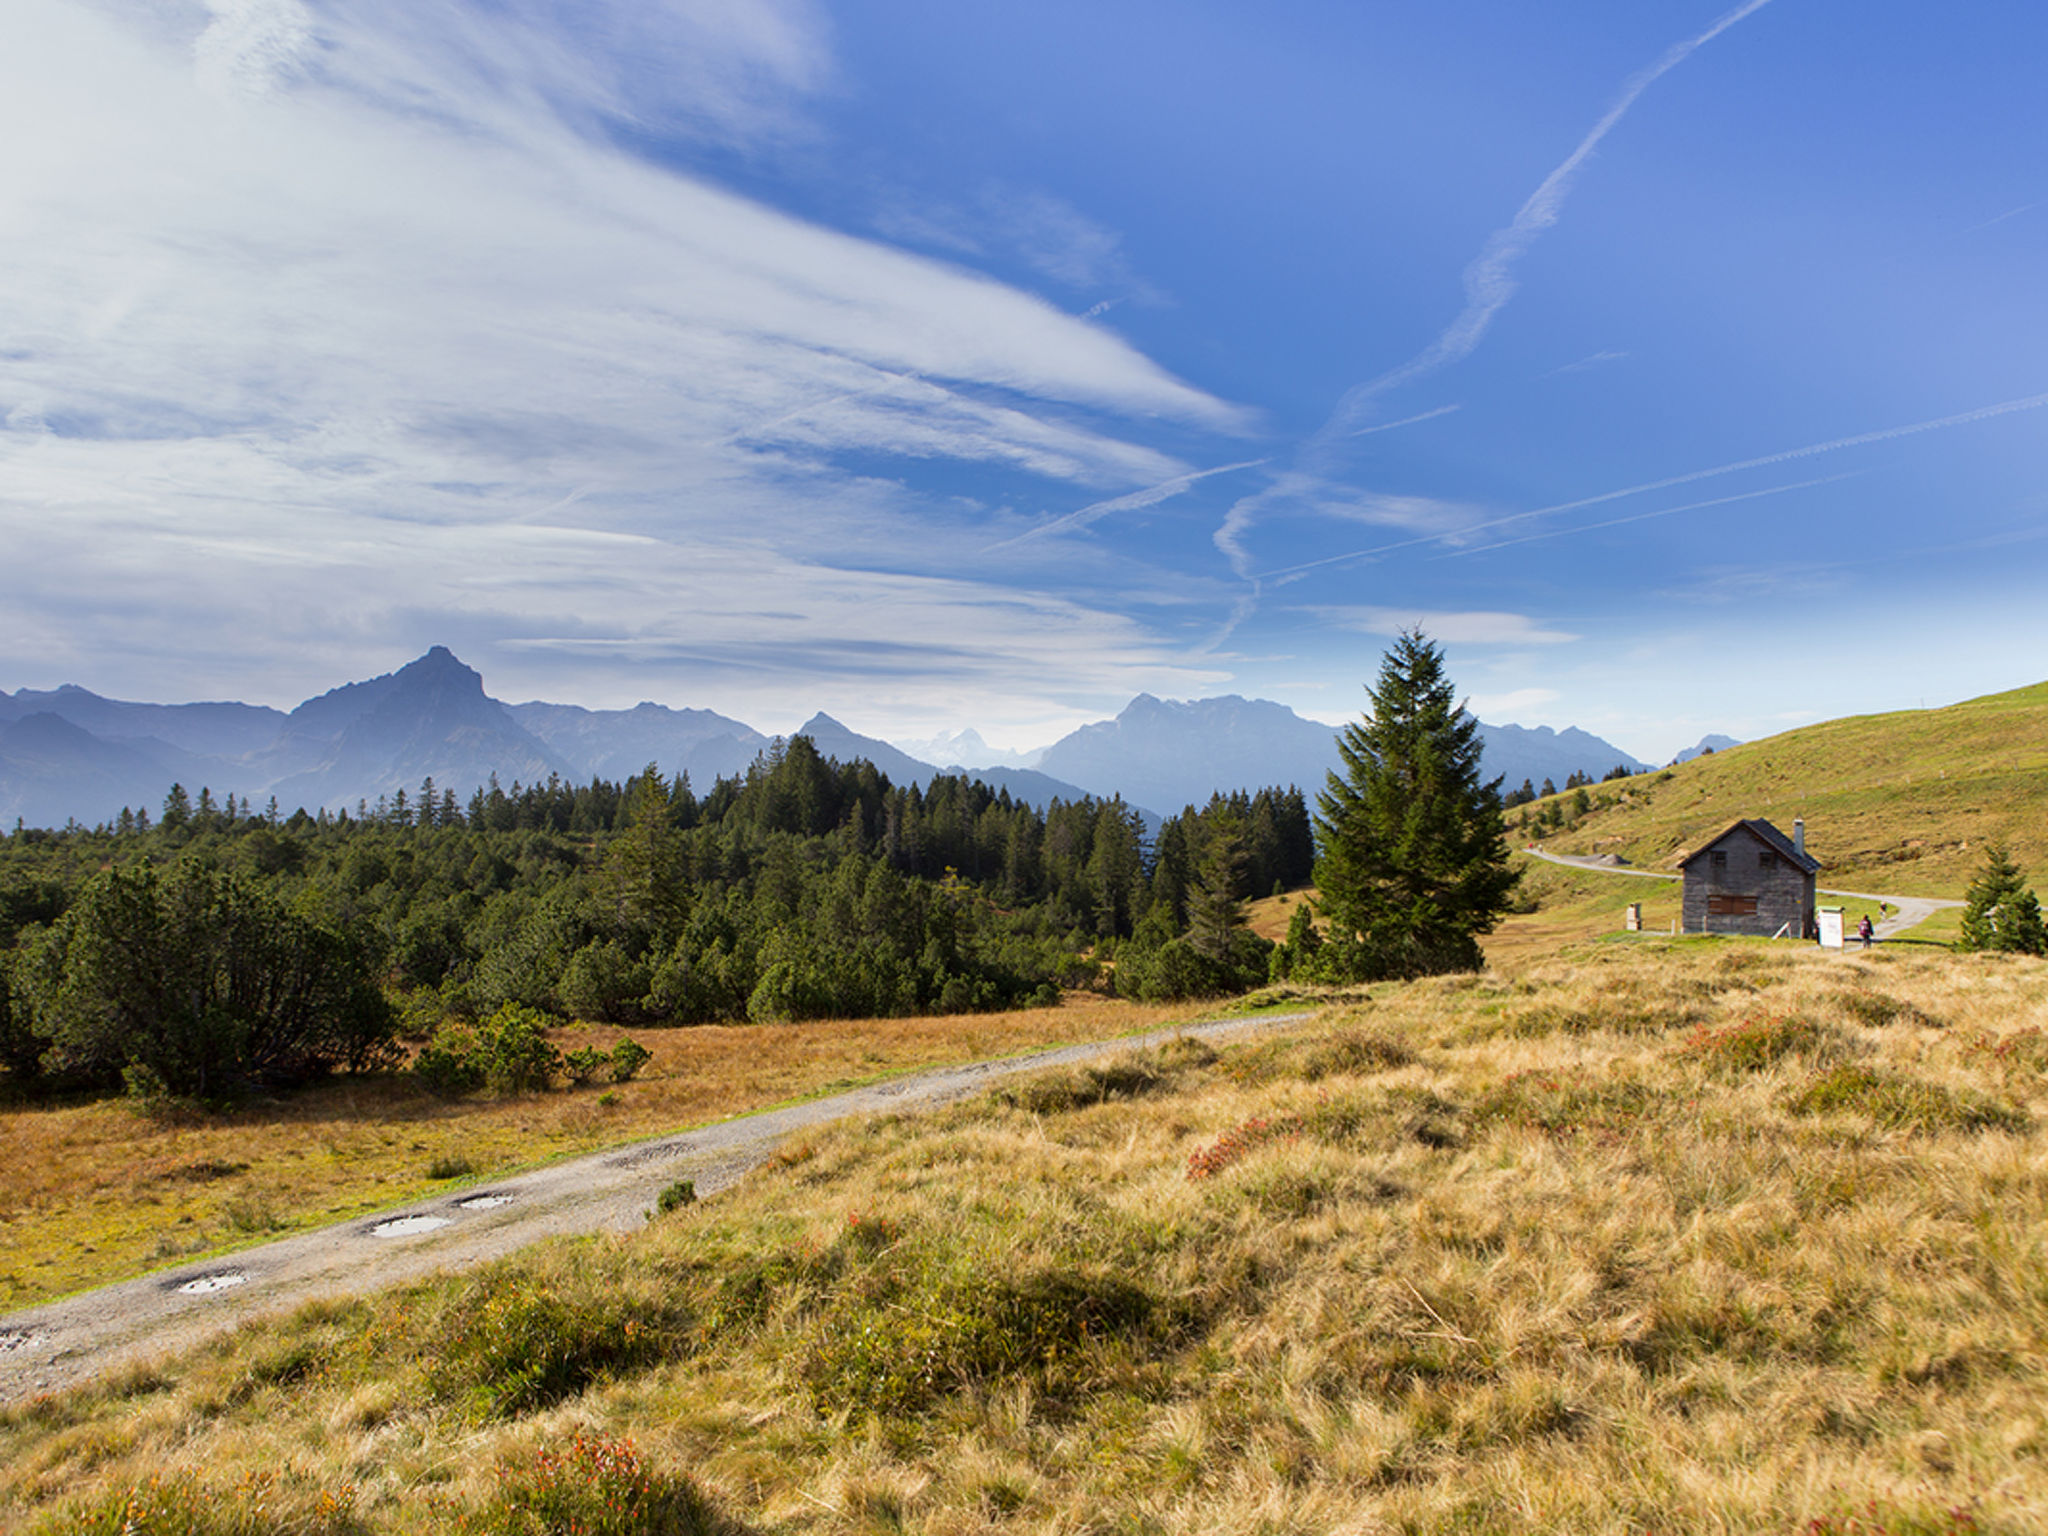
[(803, 888), (216, 946)]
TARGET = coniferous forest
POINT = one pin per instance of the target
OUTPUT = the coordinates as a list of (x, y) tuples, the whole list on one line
[(214, 945)]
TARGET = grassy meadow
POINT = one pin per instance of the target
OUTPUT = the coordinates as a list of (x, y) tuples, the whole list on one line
[(1894, 802), (1662, 1235), (103, 1190)]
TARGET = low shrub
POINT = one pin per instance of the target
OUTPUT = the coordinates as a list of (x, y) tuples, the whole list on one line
[(1241, 1141), (179, 1505), (1895, 1102), (1568, 1103), (583, 1063), (679, 1194), (628, 1057), (1059, 1093), (597, 1486), (516, 1346), (900, 1345), (509, 1053), (1879, 1010), (1758, 1043), (1348, 1052)]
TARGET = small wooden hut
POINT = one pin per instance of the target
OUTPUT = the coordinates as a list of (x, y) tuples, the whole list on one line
[(1751, 879)]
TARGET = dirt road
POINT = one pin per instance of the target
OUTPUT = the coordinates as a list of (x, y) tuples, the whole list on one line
[(67, 1342), (1912, 910)]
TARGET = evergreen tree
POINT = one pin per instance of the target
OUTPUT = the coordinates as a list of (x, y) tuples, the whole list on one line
[(1413, 854), (1214, 911), (2001, 912)]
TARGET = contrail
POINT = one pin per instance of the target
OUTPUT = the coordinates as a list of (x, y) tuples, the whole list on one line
[(1644, 517), (1150, 496), (1489, 280), (1835, 445), (1489, 284)]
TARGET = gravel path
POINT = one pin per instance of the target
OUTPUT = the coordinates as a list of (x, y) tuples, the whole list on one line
[(67, 1342), (1912, 910)]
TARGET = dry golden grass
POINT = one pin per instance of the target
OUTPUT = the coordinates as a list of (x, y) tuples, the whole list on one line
[(101, 1191), (1895, 802), (1701, 1235)]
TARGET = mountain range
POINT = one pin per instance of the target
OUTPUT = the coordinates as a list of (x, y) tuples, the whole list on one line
[(67, 754)]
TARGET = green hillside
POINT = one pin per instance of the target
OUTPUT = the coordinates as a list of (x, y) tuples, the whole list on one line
[(1896, 802)]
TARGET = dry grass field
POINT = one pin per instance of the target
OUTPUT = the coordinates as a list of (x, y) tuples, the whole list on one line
[(101, 1191), (1662, 1236), (1894, 802)]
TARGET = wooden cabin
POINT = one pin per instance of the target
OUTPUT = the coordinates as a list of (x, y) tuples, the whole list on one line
[(1751, 879)]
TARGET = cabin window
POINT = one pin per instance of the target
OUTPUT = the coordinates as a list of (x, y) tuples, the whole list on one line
[(1731, 906), (1767, 860), (1720, 858)]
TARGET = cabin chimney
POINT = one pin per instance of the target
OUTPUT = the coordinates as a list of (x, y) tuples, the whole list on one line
[(1799, 836)]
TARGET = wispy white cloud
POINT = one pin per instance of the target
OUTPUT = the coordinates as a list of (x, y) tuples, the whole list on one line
[(321, 322), (1150, 496), (1765, 461), (1471, 628), (1498, 708), (1591, 361)]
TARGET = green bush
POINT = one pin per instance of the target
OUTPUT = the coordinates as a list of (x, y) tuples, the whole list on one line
[(583, 1063), (207, 980), (1895, 1102), (448, 1064), (597, 1486), (628, 1057), (679, 1194), (516, 1346), (900, 1345)]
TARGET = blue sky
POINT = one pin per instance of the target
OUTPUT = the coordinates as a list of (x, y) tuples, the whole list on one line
[(1681, 367)]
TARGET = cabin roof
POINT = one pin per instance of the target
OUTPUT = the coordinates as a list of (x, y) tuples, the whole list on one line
[(1766, 834)]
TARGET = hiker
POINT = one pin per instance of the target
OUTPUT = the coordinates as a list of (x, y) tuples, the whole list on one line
[(1864, 930)]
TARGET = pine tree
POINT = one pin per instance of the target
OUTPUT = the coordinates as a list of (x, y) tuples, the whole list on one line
[(2001, 912), (1215, 912), (1413, 854)]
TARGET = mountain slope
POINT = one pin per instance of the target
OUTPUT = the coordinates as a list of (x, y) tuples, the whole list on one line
[(429, 719), (618, 743), (1899, 801), (1033, 788), (1172, 753), (52, 771)]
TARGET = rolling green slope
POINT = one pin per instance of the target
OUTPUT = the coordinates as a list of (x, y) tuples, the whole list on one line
[(1895, 802)]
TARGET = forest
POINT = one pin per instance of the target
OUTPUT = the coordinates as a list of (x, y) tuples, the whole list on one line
[(214, 946)]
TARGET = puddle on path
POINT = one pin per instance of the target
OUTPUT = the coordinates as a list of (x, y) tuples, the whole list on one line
[(206, 1285), (484, 1202), (405, 1226)]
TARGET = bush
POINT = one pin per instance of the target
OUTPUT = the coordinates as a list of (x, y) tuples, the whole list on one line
[(1895, 1102), (518, 1346), (181, 1506), (204, 979), (597, 1487), (508, 1052), (448, 1064), (582, 1064), (897, 1348), (628, 1057), (679, 1194), (1755, 1044)]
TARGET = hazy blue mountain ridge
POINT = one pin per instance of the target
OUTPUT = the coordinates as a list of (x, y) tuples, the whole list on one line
[(68, 753)]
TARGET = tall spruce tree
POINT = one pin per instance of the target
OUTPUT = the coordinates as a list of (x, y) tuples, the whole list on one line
[(2000, 911), (1413, 854)]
